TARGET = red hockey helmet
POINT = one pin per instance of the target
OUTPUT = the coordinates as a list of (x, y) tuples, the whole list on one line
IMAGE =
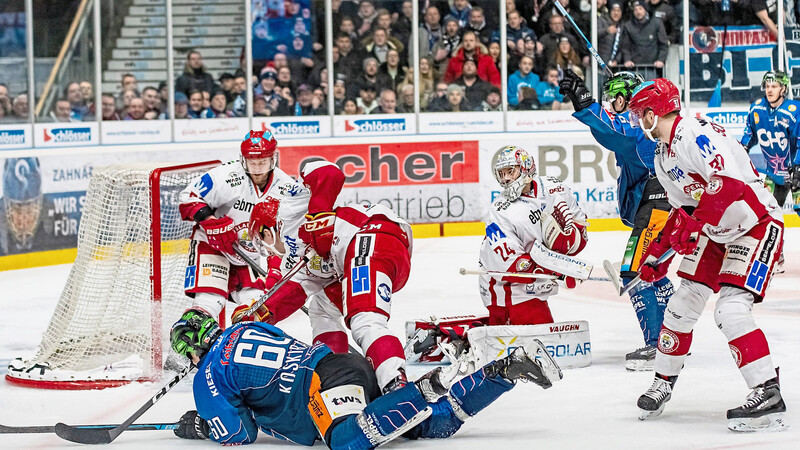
[(265, 217), (660, 95), (258, 144)]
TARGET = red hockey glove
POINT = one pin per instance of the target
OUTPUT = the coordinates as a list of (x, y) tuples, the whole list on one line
[(318, 232), (273, 272), (647, 271), (686, 232), (220, 233), (260, 315)]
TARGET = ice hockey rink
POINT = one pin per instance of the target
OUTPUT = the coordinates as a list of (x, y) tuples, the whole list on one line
[(593, 407)]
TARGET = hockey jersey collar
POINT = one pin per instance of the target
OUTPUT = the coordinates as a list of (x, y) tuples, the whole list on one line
[(672, 132)]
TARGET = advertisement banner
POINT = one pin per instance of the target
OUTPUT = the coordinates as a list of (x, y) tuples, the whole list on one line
[(200, 130), (65, 134), (15, 136), (136, 132), (535, 121), (421, 181), (466, 122), (374, 125), (294, 127)]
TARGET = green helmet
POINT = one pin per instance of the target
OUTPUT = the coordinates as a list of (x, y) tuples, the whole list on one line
[(776, 76), (622, 83), (195, 333)]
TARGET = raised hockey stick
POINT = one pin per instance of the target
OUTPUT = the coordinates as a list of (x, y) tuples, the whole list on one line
[(494, 273), (263, 299), (667, 255), (83, 435), (7, 429), (589, 45)]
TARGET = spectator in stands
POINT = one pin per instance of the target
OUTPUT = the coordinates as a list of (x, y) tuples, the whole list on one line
[(430, 31), (285, 79), (516, 31), (384, 20), (239, 88), (5, 101), (206, 99), (260, 106), (379, 44), (62, 112), (371, 75), (88, 94), (582, 18), (455, 99), (547, 90), (477, 24), (470, 49), (136, 109), (307, 104), (218, 104), (401, 28), (163, 94), (366, 98), (181, 107), (226, 84), (152, 100), (551, 39), (494, 52), (522, 77), (663, 11), (74, 96), (644, 39), (609, 31), (475, 90), (406, 104), (367, 14), (109, 107), (348, 27), (128, 81), (196, 108), (391, 68), (567, 58), (351, 107), (267, 82), (767, 13), (387, 103), (19, 109), (194, 75), (447, 44), (279, 61), (493, 101), (460, 11), (428, 76), (339, 92), (348, 61), (438, 101)]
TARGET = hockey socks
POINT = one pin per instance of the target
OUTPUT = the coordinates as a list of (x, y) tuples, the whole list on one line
[(645, 303)]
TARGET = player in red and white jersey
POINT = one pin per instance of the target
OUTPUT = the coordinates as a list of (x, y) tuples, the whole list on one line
[(531, 209), (729, 229), (220, 204), (367, 249)]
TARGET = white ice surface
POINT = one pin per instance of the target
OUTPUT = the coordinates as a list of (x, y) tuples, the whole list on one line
[(593, 407)]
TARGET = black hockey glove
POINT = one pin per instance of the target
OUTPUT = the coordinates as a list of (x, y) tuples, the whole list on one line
[(794, 177), (192, 426), (574, 88)]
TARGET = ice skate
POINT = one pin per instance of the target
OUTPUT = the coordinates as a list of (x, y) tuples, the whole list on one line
[(652, 402), (519, 365), (763, 410), (433, 385), (641, 360)]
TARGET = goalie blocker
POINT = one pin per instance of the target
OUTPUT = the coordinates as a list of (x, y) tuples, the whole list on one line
[(567, 342)]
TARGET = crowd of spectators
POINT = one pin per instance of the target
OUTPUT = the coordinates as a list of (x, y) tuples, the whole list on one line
[(459, 60)]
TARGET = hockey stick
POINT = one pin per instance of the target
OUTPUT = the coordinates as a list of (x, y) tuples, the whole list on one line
[(263, 299), (667, 255), (6, 429), (589, 45), (613, 274), (493, 273), (83, 435)]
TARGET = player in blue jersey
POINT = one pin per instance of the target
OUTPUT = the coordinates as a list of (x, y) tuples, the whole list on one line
[(642, 202), (773, 125), (253, 377)]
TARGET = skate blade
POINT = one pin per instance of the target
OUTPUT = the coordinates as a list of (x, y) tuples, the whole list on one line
[(550, 367), (645, 414), (639, 365), (768, 423)]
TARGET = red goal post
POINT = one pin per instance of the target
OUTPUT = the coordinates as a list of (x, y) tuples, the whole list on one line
[(125, 289)]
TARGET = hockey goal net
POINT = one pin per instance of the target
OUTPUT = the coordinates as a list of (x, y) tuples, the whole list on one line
[(111, 324)]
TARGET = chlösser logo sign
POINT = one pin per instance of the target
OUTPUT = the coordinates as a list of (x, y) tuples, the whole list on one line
[(728, 118), (12, 137), (63, 135), (311, 127), (374, 125)]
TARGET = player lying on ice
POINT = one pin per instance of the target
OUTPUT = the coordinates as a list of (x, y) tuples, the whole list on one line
[(364, 257), (729, 229), (253, 376)]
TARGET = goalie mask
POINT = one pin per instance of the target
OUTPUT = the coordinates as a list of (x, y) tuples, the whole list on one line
[(22, 199), (513, 169), (264, 227), (194, 333), (259, 152)]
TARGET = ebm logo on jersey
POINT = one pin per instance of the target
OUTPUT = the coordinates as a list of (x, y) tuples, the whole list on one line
[(59, 135), (374, 125), (296, 127), (12, 137)]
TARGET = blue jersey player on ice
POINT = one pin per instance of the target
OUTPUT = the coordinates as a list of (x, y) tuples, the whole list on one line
[(774, 125), (253, 376), (642, 202)]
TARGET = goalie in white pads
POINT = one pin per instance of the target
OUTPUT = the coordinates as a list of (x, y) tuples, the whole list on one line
[(730, 230), (533, 210)]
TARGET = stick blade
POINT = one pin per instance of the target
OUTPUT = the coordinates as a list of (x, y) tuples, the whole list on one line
[(83, 435)]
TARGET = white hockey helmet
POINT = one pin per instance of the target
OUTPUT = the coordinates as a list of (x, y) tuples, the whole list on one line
[(513, 156)]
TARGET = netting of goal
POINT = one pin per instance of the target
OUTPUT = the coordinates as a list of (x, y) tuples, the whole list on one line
[(111, 324)]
